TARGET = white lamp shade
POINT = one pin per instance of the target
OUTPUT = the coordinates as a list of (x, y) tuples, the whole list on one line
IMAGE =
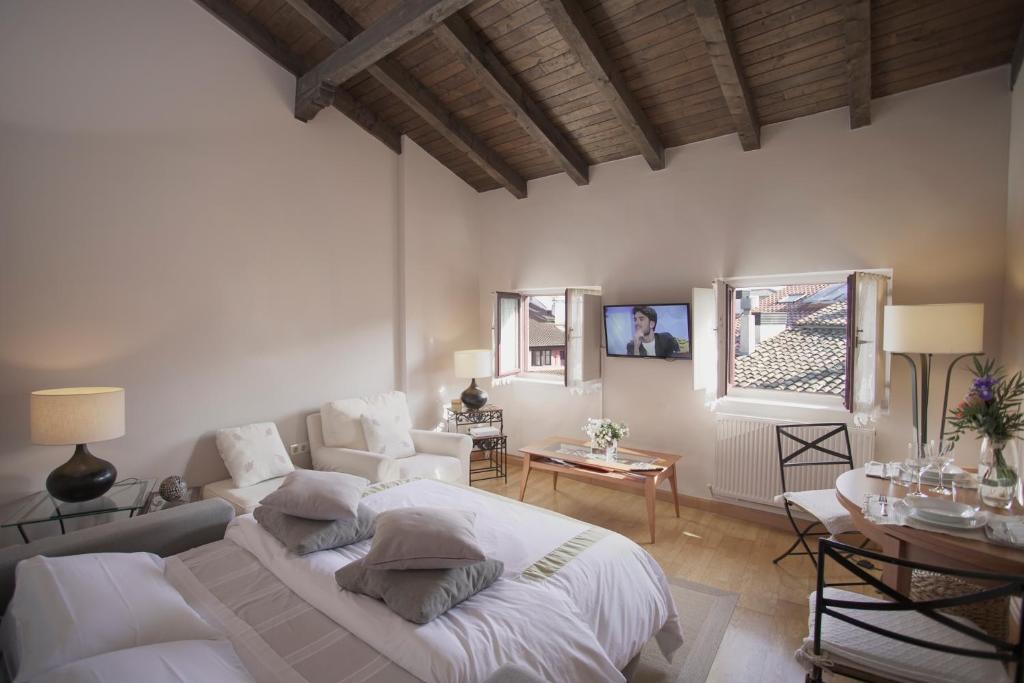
[(473, 363), (78, 415), (934, 328)]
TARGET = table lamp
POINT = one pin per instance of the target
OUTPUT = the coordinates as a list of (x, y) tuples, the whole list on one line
[(470, 365), (79, 416), (944, 329)]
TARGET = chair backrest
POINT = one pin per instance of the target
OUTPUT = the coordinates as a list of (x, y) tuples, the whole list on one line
[(990, 586), (817, 444), (341, 421)]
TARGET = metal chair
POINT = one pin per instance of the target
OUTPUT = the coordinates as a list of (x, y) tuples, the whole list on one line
[(899, 638), (804, 445)]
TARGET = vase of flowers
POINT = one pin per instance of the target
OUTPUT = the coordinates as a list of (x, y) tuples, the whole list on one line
[(605, 435), (992, 410)]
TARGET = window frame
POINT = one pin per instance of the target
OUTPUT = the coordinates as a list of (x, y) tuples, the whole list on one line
[(734, 397), (499, 371)]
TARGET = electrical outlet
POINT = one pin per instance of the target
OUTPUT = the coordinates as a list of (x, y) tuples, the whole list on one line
[(304, 447), (294, 448)]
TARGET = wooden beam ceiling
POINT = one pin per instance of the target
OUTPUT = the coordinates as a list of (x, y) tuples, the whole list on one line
[(574, 27), (1018, 58), (340, 28), (460, 38), (857, 29), (710, 16), (408, 20), (271, 46)]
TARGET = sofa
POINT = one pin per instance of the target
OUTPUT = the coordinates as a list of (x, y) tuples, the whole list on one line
[(336, 443)]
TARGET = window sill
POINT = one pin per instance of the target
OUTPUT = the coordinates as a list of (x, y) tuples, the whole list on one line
[(527, 378), (781, 408)]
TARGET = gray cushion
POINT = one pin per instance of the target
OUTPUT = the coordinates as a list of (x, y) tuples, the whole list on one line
[(304, 536), (424, 538), (419, 595), (318, 495)]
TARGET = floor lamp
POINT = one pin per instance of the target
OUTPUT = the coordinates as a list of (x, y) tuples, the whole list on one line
[(930, 330)]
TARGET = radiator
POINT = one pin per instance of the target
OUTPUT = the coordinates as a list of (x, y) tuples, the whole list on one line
[(747, 461)]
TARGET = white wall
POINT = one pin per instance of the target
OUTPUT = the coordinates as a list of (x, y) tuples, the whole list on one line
[(169, 227), (921, 190), (1013, 340), (440, 280)]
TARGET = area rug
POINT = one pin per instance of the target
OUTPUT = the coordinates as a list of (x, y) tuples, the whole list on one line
[(705, 613)]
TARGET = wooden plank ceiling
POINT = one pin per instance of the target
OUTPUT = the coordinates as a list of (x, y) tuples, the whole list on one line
[(504, 91)]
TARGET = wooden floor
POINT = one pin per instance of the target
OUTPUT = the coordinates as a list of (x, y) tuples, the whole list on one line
[(770, 620)]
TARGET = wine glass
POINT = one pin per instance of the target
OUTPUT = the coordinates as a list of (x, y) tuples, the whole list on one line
[(941, 453), (917, 462)]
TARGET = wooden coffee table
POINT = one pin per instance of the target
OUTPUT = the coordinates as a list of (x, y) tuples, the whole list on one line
[(560, 454)]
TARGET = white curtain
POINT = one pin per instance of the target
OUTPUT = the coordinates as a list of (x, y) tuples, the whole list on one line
[(870, 363)]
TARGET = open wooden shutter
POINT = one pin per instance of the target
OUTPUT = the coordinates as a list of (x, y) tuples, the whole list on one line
[(583, 320), (508, 334), (725, 305)]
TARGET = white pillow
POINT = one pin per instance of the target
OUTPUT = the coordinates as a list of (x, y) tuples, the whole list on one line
[(387, 436), (68, 608), (342, 420), (253, 453), (183, 660)]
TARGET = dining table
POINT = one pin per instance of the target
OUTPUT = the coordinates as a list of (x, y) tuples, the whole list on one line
[(921, 545)]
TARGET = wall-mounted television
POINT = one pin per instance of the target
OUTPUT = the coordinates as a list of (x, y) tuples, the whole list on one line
[(648, 331)]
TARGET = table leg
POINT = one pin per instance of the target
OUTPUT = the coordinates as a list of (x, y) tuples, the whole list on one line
[(650, 492), (526, 476), (554, 480), (897, 578), (62, 530), (672, 483), (24, 536)]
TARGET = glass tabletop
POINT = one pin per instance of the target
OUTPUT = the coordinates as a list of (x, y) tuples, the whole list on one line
[(127, 496)]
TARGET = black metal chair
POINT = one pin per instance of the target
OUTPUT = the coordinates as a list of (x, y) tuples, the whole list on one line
[(804, 445), (899, 638)]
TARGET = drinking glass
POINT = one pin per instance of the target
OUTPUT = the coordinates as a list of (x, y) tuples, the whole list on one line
[(941, 453), (916, 462)]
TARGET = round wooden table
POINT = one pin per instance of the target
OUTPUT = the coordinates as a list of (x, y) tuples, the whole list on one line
[(917, 545)]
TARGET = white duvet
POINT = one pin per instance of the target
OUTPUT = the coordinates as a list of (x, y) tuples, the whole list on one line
[(584, 623)]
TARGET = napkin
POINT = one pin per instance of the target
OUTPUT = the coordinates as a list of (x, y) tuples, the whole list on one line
[(1006, 530)]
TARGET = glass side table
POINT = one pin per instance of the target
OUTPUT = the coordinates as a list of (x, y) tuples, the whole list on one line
[(129, 496)]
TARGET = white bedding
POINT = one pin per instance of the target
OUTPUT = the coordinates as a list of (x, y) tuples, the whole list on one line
[(584, 623)]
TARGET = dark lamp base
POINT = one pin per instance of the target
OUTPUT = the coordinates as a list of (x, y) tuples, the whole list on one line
[(474, 397), (81, 478)]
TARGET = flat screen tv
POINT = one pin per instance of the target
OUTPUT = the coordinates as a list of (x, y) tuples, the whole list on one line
[(648, 331)]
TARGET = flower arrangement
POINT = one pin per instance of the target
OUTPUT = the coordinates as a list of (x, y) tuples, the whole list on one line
[(604, 433), (992, 406), (992, 409)]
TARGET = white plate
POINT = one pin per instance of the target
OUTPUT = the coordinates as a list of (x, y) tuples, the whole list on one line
[(946, 513)]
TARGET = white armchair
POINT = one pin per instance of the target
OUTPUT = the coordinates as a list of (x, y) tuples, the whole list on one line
[(439, 455)]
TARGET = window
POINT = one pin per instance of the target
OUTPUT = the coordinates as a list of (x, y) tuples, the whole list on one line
[(791, 338), (545, 333), (813, 339), (554, 335)]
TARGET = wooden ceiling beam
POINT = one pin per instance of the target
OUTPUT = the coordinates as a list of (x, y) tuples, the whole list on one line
[(1018, 58), (574, 27), (340, 28), (487, 68), (857, 28), (263, 40), (718, 39), (409, 19)]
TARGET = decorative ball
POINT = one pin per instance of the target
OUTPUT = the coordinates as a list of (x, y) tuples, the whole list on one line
[(173, 488)]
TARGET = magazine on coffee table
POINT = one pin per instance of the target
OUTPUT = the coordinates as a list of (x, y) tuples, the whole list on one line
[(622, 461)]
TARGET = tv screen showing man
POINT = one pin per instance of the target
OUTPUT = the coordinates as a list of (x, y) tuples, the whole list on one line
[(648, 331)]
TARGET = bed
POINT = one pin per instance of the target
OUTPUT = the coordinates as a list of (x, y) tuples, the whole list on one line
[(576, 602)]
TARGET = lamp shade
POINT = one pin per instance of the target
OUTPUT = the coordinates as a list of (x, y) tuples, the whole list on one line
[(77, 415), (934, 328), (473, 363)]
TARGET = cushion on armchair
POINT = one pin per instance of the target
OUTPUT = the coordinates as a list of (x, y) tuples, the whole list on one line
[(253, 453), (342, 420), (386, 435)]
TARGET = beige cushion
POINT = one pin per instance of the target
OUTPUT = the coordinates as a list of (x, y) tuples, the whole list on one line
[(386, 435), (318, 495), (244, 499), (424, 538), (253, 453), (342, 420)]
